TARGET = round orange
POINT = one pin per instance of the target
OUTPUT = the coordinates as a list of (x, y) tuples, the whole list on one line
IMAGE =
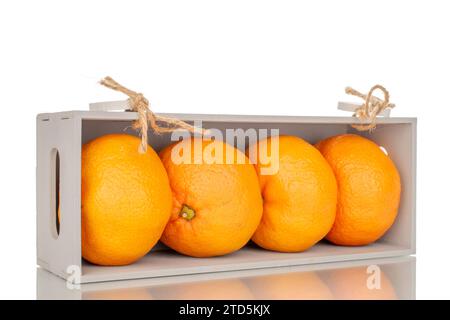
[(369, 189), (126, 200), (216, 204), (299, 200)]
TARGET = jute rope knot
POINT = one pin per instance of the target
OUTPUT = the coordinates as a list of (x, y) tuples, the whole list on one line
[(372, 106), (141, 105)]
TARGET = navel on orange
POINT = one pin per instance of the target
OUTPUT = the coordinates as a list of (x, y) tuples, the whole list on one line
[(126, 200), (368, 188), (299, 200), (216, 205)]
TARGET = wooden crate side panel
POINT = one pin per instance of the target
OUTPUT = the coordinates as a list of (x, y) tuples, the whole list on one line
[(63, 134)]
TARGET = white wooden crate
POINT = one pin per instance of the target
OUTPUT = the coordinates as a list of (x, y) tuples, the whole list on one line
[(64, 133)]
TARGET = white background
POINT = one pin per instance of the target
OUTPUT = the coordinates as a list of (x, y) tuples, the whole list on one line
[(250, 57)]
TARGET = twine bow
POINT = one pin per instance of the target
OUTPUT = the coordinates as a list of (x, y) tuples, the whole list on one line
[(141, 105), (372, 106)]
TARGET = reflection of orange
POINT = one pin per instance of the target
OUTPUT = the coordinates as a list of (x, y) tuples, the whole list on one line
[(216, 206), (119, 294), (299, 200), (126, 200), (369, 189), (290, 286), (351, 284), (223, 289)]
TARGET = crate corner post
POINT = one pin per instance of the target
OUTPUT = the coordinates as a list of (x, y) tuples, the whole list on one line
[(58, 193)]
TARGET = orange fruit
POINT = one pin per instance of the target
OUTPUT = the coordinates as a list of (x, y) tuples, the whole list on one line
[(357, 284), (369, 189), (299, 200), (126, 200), (289, 286), (216, 206)]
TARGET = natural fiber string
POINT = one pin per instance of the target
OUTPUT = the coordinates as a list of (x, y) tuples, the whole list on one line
[(141, 105), (371, 107)]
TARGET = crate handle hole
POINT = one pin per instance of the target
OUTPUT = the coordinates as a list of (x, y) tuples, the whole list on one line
[(55, 219)]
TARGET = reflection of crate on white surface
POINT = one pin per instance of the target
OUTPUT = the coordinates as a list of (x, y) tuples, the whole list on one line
[(59, 140), (398, 272)]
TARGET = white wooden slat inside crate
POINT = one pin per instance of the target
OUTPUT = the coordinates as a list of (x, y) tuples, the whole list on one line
[(169, 263), (316, 267)]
